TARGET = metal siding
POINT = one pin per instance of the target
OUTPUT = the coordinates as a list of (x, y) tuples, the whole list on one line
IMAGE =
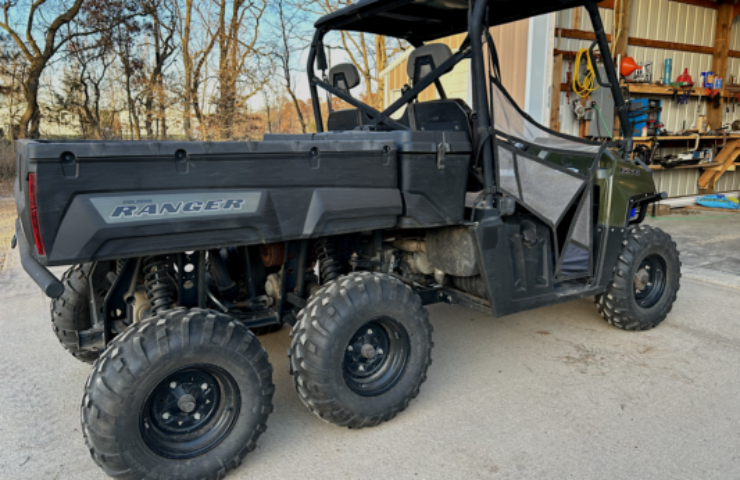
[(728, 182), (677, 183)]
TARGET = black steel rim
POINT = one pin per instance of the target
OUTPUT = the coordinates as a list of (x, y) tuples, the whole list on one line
[(650, 281), (190, 412), (376, 356)]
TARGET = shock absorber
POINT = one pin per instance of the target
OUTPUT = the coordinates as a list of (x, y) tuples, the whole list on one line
[(329, 266), (159, 282)]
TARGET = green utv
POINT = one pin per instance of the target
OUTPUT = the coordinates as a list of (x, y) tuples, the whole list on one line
[(184, 251)]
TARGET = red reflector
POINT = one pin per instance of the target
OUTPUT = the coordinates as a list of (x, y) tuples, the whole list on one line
[(35, 214)]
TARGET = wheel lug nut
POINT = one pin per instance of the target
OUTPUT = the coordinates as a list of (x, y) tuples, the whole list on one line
[(361, 368), (204, 386), (197, 416), (166, 415), (349, 348), (369, 331), (380, 351), (173, 385)]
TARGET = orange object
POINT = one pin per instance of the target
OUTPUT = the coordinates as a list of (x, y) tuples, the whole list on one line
[(627, 66)]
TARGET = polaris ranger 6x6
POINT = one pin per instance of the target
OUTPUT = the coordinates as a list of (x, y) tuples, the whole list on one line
[(182, 252)]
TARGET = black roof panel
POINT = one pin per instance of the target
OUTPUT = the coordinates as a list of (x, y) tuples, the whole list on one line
[(419, 21)]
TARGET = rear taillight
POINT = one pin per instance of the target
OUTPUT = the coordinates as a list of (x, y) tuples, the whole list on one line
[(35, 213)]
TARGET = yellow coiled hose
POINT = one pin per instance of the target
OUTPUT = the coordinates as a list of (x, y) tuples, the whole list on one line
[(588, 85)]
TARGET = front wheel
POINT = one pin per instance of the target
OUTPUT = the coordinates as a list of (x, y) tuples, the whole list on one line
[(184, 394), (645, 282), (360, 350)]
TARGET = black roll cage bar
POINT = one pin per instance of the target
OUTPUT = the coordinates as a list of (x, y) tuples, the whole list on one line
[(472, 48)]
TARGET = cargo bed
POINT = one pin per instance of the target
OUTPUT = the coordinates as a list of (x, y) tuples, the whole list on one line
[(109, 200)]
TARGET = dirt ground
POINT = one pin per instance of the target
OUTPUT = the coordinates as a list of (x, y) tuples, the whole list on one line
[(7, 223)]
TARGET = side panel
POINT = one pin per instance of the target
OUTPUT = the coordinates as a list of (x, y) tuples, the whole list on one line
[(433, 196), (619, 181), (109, 206), (500, 251)]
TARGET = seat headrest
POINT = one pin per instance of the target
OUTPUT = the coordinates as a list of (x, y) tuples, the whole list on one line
[(426, 58), (344, 76)]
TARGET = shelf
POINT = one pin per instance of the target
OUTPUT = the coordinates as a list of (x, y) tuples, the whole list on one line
[(684, 167), (669, 138), (667, 90)]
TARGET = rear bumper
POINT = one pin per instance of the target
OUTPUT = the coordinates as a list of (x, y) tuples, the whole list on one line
[(50, 284)]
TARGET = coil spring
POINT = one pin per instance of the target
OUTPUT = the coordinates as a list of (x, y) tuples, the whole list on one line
[(159, 282), (119, 266), (329, 266)]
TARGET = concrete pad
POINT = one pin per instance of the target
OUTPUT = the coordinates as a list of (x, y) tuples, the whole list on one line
[(549, 394)]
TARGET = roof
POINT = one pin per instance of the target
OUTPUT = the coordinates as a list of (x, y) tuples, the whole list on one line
[(419, 21)]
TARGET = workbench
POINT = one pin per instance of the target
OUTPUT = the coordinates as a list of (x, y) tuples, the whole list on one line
[(713, 171)]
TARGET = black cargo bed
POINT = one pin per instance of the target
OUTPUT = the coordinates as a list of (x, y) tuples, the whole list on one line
[(106, 200)]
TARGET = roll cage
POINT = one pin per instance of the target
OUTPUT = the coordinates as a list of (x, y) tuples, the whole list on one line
[(419, 21)]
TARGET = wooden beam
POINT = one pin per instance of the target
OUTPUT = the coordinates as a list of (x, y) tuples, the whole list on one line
[(577, 34), (622, 34), (708, 180), (681, 47), (608, 4), (557, 73), (577, 18), (640, 42), (699, 3), (622, 20), (736, 11), (720, 56)]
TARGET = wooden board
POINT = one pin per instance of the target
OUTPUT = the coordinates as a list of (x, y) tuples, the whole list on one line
[(722, 33), (557, 73), (725, 158)]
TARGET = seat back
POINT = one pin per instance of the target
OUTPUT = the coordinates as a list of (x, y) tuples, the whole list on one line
[(448, 115), (424, 59), (344, 76)]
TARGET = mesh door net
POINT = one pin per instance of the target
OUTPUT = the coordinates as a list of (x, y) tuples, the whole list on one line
[(512, 122), (545, 187)]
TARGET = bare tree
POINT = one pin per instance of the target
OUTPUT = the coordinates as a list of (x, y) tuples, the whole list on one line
[(288, 35), (195, 52), (161, 32), (369, 53), (42, 39), (239, 24), (82, 85)]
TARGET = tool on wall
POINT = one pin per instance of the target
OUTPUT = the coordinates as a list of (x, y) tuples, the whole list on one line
[(588, 85), (644, 74)]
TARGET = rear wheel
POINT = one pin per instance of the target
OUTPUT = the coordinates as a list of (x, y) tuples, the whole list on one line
[(70, 313), (645, 282), (184, 394), (360, 350)]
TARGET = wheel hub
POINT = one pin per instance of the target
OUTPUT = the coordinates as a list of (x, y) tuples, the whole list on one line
[(650, 281), (375, 357), (186, 403), (368, 351), (190, 412), (642, 279)]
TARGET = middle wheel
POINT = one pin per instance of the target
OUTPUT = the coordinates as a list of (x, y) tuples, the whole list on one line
[(361, 349)]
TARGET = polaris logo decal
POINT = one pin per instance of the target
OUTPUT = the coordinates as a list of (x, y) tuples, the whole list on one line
[(158, 207)]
